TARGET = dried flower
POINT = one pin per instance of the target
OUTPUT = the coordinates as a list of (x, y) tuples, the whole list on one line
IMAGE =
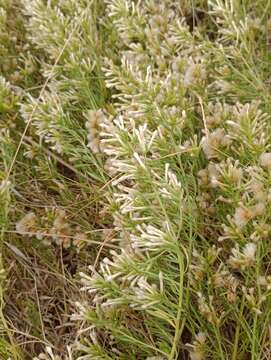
[(197, 348), (48, 355), (244, 214), (61, 229), (223, 278), (257, 189), (79, 240), (241, 216), (26, 224), (254, 299), (265, 281), (207, 310), (195, 74), (214, 141), (94, 120), (203, 177), (265, 160)]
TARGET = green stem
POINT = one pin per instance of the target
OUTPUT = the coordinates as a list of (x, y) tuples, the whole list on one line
[(218, 338), (236, 341), (179, 326), (254, 339), (237, 333)]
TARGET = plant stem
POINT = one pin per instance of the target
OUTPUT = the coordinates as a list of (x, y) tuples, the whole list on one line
[(178, 326)]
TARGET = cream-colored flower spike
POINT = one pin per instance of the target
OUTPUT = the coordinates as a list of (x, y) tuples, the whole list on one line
[(94, 120)]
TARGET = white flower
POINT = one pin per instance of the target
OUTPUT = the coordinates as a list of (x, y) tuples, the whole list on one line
[(150, 238), (243, 259), (145, 294)]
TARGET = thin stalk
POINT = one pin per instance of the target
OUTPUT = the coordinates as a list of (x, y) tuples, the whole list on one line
[(178, 326)]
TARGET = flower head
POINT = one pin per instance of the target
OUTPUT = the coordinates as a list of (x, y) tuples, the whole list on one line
[(245, 258)]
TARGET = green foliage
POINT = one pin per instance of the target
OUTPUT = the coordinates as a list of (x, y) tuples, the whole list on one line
[(135, 163)]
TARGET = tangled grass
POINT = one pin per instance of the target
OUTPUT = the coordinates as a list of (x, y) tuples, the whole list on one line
[(135, 179)]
